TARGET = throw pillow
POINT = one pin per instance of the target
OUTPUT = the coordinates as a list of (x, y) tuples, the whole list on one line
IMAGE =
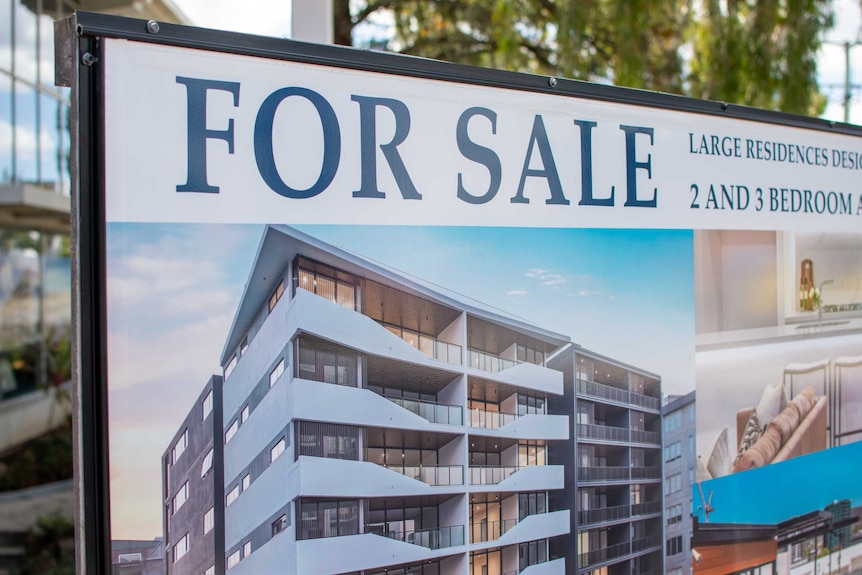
[(772, 401)]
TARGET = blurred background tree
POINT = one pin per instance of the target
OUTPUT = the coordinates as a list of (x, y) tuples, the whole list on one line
[(754, 52)]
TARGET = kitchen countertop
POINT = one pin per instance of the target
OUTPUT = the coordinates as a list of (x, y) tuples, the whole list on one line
[(832, 327)]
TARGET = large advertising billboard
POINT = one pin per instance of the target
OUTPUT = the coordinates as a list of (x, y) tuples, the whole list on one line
[(346, 312)]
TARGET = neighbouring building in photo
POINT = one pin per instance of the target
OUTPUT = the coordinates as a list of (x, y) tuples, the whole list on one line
[(614, 462), (374, 423), (680, 467)]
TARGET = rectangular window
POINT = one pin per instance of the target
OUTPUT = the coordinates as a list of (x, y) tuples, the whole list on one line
[(232, 496), (233, 559), (326, 518), (181, 497), (244, 415), (325, 362), (228, 369), (276, 373), (207, 405), (180, 447), (279, 525), (231, 431), (673, 483), (277, 450), (210, 570), (209, 520), (243, 346), (276, 295), (246, 481), (181, 548), (674, 546), (327, 282), (674, 514), (246, 549), (207, 463), (673, 451)]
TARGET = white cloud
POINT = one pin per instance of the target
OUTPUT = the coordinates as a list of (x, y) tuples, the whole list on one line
[(535, 272), (516, 292), (553, 279)]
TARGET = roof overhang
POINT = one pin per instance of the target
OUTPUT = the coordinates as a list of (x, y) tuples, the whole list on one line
[(34, 206)]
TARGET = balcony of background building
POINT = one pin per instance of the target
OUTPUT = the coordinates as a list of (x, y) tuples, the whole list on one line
[(608, 382)]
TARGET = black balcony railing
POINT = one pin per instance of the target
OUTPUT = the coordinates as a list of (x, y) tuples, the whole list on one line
[(604, 554), (646, 543), (602, 432), (646, 472), (650, 437), (603, 473), (588, 516), (601, 391), (647, 508)]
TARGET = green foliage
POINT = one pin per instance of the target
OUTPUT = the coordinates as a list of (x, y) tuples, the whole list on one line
[(760, 53), (50, 548), (42, 460), (753, 52)]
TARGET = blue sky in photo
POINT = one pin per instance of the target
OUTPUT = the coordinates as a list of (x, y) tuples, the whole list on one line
[(173, 290), (778, 492)]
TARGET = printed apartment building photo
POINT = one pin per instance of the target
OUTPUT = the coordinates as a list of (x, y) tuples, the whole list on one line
[(369, 422)]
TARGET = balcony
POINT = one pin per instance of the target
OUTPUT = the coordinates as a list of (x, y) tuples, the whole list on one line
[(646, 543), (513, 531), (646, 472), (528, 426), (602, 432), (601, 555), (485, 361), (647, 437), (648, 508), (490, 474), (434, 412), (429, 345), (619, 473), (527, 478), (602, 473), (589, 516), (439, 538), (433, 475), (484, 419), (350, 553), (601, 391), (490, 530)]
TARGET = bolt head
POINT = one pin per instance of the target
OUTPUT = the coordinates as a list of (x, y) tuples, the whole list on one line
[(153, 27), (552, 82)]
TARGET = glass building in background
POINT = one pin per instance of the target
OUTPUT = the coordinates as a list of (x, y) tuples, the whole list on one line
[(35, 278), (35, 270)]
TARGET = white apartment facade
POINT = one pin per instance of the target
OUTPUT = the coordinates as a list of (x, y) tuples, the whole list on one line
[(373, 423)]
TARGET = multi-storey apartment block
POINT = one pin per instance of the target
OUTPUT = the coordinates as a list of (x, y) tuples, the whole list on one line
[(680, 466), (614, 462), (374, 423), (193, 488)]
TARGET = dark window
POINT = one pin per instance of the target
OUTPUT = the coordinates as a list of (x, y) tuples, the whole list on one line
[(674, 545), (327, 282), (325, 518), (531, 504), (327, 440), (279, 525), (532, 553), (320, 361)]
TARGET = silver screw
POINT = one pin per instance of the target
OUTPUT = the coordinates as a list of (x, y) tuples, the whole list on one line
[(724, 105), (88, 59), (552, 82), (153, 27)]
